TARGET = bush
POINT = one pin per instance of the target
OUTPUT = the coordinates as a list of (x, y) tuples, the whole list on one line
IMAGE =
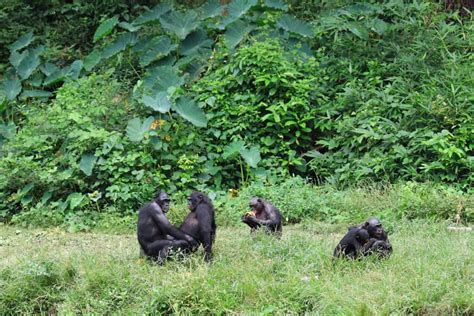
[(74, 155)]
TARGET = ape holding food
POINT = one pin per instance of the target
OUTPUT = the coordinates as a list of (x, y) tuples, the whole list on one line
[(200, 223), (363, 240), (156, 235), (263, 214)]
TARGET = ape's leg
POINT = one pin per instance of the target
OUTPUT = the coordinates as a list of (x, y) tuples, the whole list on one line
[(159, 249)]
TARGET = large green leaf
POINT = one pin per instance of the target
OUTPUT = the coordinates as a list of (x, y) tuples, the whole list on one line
[(11, 87), (233, 149), (251, 156), (211, 9), (294, 25), (154, 14), (236, 9), (276, 4), (36, 94), (87, 163), (189, 110), (36, 80), (105, 28), (8, 130), (23, 41), (119, 44), (75, 199), (159, 102), (30, 62), (74, 70), (49, 68), (379, 26), (16, 57), (180, 23), (160, 46), (92, 60), (358, 30), (235, 32), (136, 129), (54, 78), (129, 27), (163, 78), (195, 43)]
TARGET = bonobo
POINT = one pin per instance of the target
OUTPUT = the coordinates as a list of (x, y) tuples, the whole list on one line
[(263, 214), (366, 239), (155, 233), (200, 223), (378, 243), (352, 244)]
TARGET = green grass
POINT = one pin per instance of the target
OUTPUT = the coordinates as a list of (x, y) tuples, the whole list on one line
[(49, 271)]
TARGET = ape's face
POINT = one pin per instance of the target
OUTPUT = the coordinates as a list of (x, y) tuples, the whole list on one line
[(255, 205), (374, 227), (193, 200), (164, 202)]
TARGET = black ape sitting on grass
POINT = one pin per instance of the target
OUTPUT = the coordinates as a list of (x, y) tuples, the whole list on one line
[(366, 239), (378, 243), (200, 223), (263, 214), (156, 235)]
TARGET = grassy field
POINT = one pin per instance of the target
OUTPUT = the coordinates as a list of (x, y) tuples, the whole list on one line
[(431, 272)]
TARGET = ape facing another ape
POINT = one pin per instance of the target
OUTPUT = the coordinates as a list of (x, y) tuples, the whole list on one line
[(155, 233), (352, 244), (366, 239), (200, 223), (263, 214), (378, 243)]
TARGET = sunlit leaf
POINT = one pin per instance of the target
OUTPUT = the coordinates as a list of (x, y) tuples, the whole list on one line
[(210, 9), (294, 25), (233, 149), (160, 46), (153, 14), (180, 23), (92, 60), (251, 156), (87, 163), (195, 43), (358, 30), (136, 129), (105, 28), (75, 199), (119, 44), (276, 4), (23, 41), (11, 87), (129, 27), (189, 110), (379, 26), (159, 102)]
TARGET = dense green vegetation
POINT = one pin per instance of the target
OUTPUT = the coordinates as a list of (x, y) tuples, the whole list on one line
[(332, 110), (51, 272), (203, 95)]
